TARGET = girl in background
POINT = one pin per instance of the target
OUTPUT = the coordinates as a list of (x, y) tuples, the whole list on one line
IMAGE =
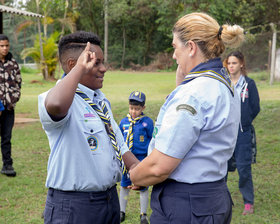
[(250, 107)]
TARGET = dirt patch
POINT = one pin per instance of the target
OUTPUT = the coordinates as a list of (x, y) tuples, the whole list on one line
[(22, 120)]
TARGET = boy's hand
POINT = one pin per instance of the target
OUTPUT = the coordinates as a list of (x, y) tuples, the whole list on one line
[(136, 188), (87, 59)]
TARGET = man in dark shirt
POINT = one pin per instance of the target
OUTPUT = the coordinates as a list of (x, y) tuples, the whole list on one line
[(10, 85)]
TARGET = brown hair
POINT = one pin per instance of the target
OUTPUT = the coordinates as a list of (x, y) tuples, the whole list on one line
[(205, 31), (241, 59)]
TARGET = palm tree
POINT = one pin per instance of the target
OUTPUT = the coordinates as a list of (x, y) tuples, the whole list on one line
[(50, 54)]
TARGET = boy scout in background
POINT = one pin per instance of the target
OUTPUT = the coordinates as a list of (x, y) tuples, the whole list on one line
[(137, 130)]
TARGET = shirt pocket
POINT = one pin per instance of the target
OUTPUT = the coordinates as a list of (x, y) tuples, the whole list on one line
[(94, 133)]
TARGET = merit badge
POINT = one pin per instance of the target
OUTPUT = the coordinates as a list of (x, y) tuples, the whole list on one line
[(141, 138), (93, 142), (186, 107)]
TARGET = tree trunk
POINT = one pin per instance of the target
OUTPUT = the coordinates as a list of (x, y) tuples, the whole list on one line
[(42, 61), (106, 31), (123, 51), (64, 17)]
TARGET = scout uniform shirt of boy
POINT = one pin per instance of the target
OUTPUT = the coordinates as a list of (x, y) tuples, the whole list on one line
[(142, 134), (82, 157)]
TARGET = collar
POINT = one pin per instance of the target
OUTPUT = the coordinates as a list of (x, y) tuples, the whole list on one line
[(212, 69), (137, 118), (213, 64), (8, 57), (240, 81), (95, 95)]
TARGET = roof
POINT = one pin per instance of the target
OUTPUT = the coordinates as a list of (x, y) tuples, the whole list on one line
[(18, 11)]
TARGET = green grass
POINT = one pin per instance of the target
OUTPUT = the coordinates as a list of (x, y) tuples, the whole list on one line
[(22, 198)]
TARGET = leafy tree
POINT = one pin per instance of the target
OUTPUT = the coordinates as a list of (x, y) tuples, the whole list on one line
[(50, 53)]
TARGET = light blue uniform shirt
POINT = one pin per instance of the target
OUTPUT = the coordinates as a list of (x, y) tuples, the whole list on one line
[(198, 124), (82, 157)]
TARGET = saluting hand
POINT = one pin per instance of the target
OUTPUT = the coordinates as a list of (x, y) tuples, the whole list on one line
[(87, 59)]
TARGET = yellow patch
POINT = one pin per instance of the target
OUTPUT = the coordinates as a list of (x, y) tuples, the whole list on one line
[(141, 138)]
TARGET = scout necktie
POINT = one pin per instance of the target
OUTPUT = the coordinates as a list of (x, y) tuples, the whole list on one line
[(103, 113), (129, 137)]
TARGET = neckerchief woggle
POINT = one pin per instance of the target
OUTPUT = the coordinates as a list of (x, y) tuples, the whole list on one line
[(212, 69)]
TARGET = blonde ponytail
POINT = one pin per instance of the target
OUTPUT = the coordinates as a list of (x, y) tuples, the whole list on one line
[(208, 34)]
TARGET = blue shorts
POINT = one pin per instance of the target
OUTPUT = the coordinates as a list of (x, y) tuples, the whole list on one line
[(175, 202), (125, 182)]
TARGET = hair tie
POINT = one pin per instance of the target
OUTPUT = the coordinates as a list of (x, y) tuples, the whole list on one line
[(220, 32)]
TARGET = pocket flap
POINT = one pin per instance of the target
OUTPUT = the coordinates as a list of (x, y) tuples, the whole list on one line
[(208, 204)]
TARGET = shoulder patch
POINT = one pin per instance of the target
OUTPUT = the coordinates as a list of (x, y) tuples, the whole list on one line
[(186, 107)]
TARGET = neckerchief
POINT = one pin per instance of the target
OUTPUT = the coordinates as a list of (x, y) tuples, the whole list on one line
[(129, 137)]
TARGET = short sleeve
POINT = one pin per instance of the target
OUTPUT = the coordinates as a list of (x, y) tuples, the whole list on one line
[(45, 118), (180, 127)]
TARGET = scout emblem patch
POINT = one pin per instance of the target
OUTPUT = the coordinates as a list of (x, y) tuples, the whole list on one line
[(93, 142)]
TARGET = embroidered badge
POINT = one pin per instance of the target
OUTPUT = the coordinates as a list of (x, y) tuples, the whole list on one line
[(125, 126), (141, 138), (155, 132), (144, 124), (246, 94), (93, 142), (186, 107)]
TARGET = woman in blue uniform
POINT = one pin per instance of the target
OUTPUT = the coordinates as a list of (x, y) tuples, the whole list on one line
[(250, 107), (196, 129)]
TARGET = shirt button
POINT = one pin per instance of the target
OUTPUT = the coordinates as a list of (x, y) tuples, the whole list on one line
[(114, 158)]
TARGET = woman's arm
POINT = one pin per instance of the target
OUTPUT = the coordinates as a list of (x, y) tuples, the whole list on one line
[(154, 169)]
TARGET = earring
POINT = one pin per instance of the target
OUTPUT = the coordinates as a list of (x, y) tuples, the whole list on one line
[(190, 55)]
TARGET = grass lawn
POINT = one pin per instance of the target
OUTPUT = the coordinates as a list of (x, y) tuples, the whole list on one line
[(22, 198)]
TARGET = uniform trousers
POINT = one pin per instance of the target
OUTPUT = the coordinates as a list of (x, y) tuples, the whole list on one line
[(74, 207), (7, 122), (243, 157), (201, 203)]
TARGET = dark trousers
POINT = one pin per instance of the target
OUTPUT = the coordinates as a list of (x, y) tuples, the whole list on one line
[(203, 203), (73, 207), (243, 160), (7, 120), (243, 157)]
